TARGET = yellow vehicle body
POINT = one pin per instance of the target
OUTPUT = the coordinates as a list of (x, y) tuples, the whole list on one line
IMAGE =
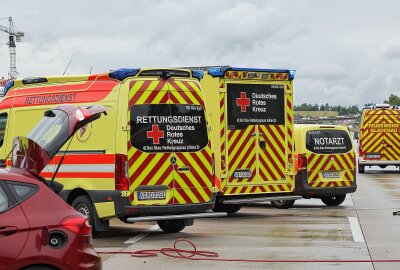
[(251, 115), (379, 137), (326, 162), (151, 155)]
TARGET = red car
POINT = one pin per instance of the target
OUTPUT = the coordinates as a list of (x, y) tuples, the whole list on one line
[(38, 230)]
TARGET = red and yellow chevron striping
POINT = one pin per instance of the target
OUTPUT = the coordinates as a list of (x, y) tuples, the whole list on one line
[(342, 163), (148, 169)]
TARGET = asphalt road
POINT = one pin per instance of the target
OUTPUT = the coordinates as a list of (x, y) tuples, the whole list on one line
[(362, 228)]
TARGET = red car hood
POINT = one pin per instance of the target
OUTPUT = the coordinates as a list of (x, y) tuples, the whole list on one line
[(32, 153)]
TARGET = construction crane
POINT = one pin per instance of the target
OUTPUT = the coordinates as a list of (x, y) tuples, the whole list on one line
[(13, 36)]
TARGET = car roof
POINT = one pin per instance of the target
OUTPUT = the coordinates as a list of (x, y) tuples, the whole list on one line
[(19, 175)]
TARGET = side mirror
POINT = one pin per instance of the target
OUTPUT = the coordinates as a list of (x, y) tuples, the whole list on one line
[(355, 136)]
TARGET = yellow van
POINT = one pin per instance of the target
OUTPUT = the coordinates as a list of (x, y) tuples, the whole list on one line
[(251, 116), (379, 137), (149, 159), (326, 164)]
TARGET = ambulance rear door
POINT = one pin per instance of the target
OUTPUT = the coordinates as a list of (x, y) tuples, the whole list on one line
[(391, 144), (188, 138), (330, 157), (256, 132)]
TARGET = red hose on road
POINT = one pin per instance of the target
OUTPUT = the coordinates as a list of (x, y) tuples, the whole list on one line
[(175, 252)]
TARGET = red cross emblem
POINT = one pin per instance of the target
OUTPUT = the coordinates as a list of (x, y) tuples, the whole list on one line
[(155, 134), (243, 102)]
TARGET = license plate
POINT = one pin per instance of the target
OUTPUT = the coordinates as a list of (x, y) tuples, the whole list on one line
[(330, 174), (152, 195), (375, 156), (242, 174)]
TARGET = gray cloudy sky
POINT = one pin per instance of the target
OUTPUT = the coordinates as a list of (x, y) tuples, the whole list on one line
[(345, 51)]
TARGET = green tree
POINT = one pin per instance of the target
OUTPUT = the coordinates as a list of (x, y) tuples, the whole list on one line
[(393, 100)]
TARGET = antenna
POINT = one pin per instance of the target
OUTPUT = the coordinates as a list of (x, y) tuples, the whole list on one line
[(67, 67), (91, 68)]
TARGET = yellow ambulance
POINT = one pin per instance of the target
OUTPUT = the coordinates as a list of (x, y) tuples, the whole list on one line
[(325, 164), (149, 159), (251, 116), (379, 137)]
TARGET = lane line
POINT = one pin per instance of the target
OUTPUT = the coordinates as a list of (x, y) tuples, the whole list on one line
[(356, 230), (142, 235)]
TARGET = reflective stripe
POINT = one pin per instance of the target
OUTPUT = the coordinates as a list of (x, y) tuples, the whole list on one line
[(83, 168)]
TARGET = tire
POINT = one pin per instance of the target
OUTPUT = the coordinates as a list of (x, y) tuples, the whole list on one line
[(39, 267), (84, 205), (171, 226), (361, 168), (283, 204), (227, 208), (334, 200)]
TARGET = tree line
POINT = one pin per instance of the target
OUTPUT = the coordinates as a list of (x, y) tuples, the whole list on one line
[(393, 100), (342, 110)]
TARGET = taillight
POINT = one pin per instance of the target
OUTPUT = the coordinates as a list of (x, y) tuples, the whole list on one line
[(121, 172), (78, 225), (302, 162)]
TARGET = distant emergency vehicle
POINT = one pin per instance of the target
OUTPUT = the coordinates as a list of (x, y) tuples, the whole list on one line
[(149, 159), (326, 164), (251, 115), (379, 137)]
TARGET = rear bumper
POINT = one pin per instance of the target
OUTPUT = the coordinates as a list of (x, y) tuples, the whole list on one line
[(364, 162), (303, 189), (124, 208)]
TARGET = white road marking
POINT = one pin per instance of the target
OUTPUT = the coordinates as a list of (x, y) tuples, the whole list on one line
[(142, 235), (356, 230)]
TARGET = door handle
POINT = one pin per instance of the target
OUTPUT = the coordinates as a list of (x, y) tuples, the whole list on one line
[(253, 134), (9, 230), (182, 169), (261, 133)]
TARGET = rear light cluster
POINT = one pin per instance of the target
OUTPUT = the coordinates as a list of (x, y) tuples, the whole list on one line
[(121, 172), (78, 225), (302, 162)]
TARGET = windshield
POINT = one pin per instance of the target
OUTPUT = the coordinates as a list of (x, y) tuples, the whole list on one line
[(168, 127), (51, 130), (328, 141)]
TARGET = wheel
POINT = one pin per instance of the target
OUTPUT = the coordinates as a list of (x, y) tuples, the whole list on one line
[(361, 168), (84, 205), (227, 208), (171, 226), (333, 200), (283, 204)]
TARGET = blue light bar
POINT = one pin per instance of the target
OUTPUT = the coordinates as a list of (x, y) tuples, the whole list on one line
[(123, 73), (8, 86), (198, 74), (217, 71)]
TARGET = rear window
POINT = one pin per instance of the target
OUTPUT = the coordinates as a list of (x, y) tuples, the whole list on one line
[(255, 104), (168, 127), (328, 141)]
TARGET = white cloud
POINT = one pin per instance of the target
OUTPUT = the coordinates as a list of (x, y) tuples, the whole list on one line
[(345, 52)]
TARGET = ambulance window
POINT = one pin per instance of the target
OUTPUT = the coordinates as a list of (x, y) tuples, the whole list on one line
[(3, 124), (255, 104), (328, 141), (168, 127)]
